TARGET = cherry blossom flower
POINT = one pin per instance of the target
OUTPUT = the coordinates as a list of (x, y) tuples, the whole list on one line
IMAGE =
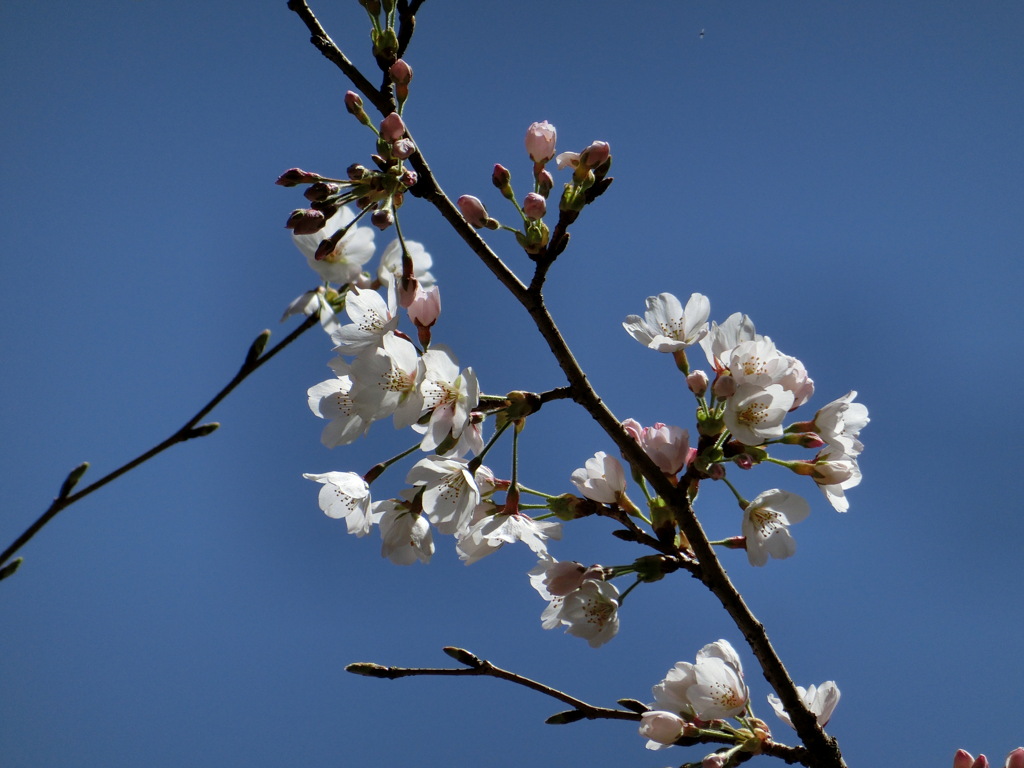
[(755, 414), (552, 578), (450, 492), (385, 382), (345, 495), (591, 612), (668, 447), (345, 262), (710, 689), (766, 522), (405, 535), (332, 400), (601, 479), (390, 266), (798, 382), (311, 302), (835, 473), (371, 318), (495, 530), (723, 338), (839, 423), (821, 701), (662, 729), (757, 362), (667, 326), (448, 393)]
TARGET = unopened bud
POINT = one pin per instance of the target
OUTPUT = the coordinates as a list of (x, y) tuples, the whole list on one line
[(400, 72), (305, 221), (724, 387), (545, 181), (357, 172), (540, 141), (473, 210), (697, 381), (1015, 759), (403, 148), (595, 155), (534, 206), (392, 127), (409, 178), (425, 307), (295, 176), (320, 191), (382, 218), (743, 460), (353, 102)]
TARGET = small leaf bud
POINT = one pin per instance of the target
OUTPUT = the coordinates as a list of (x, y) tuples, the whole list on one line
[(72, 480), (568, 716), (463, 656), (11, 568), (367, 669)]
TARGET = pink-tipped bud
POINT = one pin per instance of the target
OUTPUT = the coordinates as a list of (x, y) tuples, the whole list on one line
[(353, 102), (1015, 759), (409, 178), (473, 210), (964, 759), (661, 727), (596, 154), (425, 307), (306, 221), (320, 191), (392, 127), (357, 172), (540, 141), (545, 181), (382, 218), (743, 461), (697, 381), (500, 176), (295, 176), (714, 760), (403, 148), (534, 206), (401, 72), (716, 471), (724, 387)]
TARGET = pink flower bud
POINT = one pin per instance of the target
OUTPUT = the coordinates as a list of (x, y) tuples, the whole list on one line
[(534, 206), (401, 72), (473, 210), (1015, 759), (724, 387), (403, 148), (716, 471), (295, 176), (540, 141), (321, 191), (425, 307), (353, 103), (545, 181), (306, 221), (382, 218), (662, 727), (964, 759), (596, 154), (392, 128), (500, 176), (714, 760), (698, 383), (409, 178)]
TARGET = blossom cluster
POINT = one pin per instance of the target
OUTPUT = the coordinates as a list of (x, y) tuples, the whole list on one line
[(693, 699)]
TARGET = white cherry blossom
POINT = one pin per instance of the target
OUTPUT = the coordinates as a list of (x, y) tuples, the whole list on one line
[(450, 492), (495, 530), (405, 536), (601, 479), (390, 266), (372, 318), (755, 414), (721, 339), (839, 423), (345, 495), (835, 473), (666, 326), (766, 522), (332, 400), (820, 700), (448, 393), (385, 381), (710, 689), (591, 612)]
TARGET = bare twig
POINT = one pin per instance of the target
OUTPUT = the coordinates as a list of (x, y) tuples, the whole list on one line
[(253, 361)]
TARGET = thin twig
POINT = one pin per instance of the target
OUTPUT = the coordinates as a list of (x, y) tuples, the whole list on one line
[(186, 432)]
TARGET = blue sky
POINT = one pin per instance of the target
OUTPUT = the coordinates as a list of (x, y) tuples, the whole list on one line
[(849, 175)]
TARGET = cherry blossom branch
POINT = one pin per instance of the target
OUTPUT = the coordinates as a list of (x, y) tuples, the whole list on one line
[(823, 750), (254, 359), (477, 666), (581, 710)]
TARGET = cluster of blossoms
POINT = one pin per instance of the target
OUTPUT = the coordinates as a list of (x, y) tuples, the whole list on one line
[(739, 413), (694, 699)]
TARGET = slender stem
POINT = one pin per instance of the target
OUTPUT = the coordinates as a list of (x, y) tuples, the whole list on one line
[(186, 432)]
